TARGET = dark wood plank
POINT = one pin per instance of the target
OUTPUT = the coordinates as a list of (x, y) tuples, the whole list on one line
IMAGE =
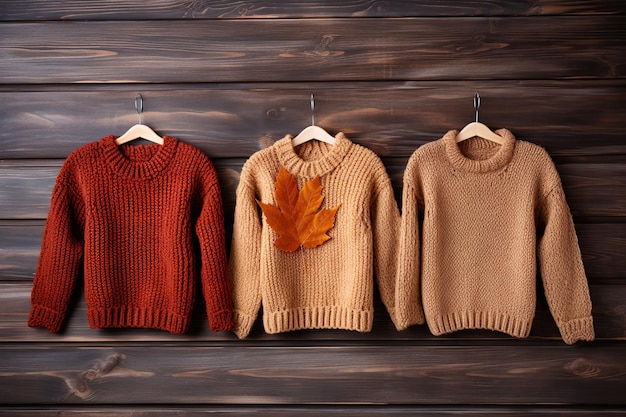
[(592, 189), (171, 9), (25, 187), (602, 246), (314, 50), (20, 242), (314, 411), (25, 193), (608, 311), (392, 119), (237, 374), (588, 185), (231, 77)]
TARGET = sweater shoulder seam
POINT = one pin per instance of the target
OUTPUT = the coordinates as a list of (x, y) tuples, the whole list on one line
[(70, 188), (548, 194)]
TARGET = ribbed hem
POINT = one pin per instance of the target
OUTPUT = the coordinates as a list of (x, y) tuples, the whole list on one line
[(499, 322), (150, 318), (327, 317), (221, 321), (242, 323), (41, 316), (577, 329)]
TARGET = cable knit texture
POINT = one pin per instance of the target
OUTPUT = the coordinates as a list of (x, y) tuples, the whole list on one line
[(489, 212), (336, 287), (139, 223)]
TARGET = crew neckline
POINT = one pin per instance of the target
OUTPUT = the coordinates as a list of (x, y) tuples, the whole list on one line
[(138, 161), (496, 161), (331, 158)]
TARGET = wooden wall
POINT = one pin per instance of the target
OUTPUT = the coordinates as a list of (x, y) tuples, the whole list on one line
[(231, 77)]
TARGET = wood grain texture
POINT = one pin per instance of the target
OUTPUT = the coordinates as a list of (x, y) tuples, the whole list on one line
[(592, 189), (609, 308), (392, 119), (602, 246), (313, 50), (20, 243), (397, 374), (316, 411), (202, 9), (231, 77), (25, 188)]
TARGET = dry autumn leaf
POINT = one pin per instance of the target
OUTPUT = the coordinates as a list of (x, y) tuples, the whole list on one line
[(296, 218)]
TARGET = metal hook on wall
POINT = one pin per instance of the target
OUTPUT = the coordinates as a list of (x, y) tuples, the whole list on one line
[(312, 110), (476, 104), (139, 106)]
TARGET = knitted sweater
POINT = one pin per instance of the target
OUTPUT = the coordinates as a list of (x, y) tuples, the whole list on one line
[(489, 212), (138, 223), (329, 286)]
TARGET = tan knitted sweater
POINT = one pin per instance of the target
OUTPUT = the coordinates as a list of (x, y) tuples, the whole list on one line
[(489, 212), (335, 289)]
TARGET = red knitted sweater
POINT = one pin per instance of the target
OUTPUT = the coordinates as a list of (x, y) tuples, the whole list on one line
[(138, 223)]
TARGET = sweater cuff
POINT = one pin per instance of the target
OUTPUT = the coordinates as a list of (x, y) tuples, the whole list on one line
[(221, 321), (577, 329), (242, 324), (41, 316)]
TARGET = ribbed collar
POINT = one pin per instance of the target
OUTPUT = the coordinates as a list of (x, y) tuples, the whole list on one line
[(140, 161), (312, 158), (499, 159)]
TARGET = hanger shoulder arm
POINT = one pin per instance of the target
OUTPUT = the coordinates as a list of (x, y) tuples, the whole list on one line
[(313, 132), (474, 129), (139, 131)]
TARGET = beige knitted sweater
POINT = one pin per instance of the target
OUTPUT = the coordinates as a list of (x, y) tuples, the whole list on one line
[(489, 212), (330, 286)]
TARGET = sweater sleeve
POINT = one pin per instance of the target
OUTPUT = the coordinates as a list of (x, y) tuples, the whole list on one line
[(562, 271), (245, 259), (60, 260), (214, 266), (385, 218), (409, 310)]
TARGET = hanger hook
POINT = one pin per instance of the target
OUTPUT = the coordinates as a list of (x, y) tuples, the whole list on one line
[(312, 110), (139, 105), (476, 104)]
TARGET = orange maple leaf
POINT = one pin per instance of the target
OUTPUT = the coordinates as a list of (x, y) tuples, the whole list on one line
[(296, 218)]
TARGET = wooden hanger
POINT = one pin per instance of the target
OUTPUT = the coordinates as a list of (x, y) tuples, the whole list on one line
[(476, 128), (139, 130), (313, 131)]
